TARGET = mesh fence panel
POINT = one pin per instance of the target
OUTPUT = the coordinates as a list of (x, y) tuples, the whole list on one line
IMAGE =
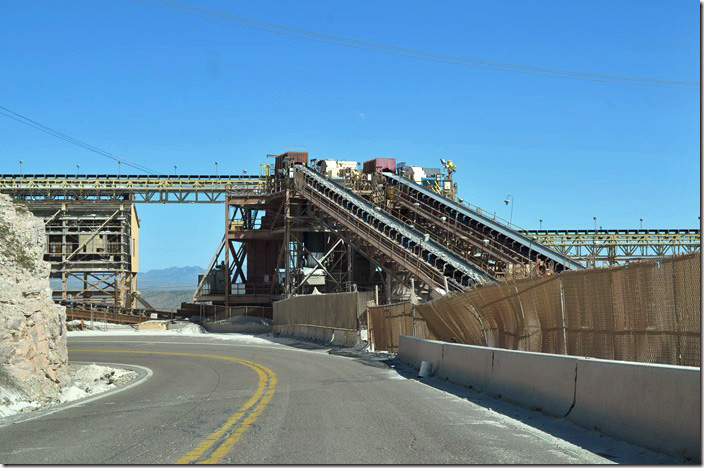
[(468, 320), (389, 322), (321, 310), (645, 311), (438, 315), (545, 296), (533, 309), (687, 305)]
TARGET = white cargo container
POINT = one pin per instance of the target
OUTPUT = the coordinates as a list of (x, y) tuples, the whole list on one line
[(333, 168)]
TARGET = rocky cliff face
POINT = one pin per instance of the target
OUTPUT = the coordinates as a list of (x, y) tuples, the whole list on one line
[(33, 354)]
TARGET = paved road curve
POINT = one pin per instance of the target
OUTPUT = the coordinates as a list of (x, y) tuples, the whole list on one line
[(263, 402)]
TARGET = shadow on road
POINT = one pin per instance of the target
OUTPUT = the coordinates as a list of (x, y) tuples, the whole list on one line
[(612, 449)]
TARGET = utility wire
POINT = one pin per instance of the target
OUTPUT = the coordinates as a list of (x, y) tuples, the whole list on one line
[(32, 123), (411, 53)]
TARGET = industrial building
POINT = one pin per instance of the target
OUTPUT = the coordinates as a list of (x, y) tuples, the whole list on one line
[(313, 225)]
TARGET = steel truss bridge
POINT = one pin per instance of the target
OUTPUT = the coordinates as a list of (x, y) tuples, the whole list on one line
[(290, 234), (606, 247), (135, 188)]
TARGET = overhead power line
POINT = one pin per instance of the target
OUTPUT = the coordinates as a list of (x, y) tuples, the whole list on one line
[(34, 124), (412, 53)]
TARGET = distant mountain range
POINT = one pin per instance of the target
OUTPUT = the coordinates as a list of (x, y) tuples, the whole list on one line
[(169, 299), (170, 279)]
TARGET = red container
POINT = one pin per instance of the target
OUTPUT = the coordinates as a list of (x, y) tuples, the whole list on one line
[(380, 165), (294, 158), (262, 256)]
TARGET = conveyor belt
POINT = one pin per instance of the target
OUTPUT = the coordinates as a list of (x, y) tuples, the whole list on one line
[(497, 242), (413, 251), (136, 188)]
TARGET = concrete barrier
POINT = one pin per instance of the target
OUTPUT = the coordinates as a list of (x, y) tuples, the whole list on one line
[(535, 380), (424, 350), (228, 327), (651, 405), (408, 349), (466, 365), (344, 338), (431, 351), (331, 336)]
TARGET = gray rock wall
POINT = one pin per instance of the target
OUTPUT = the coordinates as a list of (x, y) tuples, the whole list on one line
[(33, 354)]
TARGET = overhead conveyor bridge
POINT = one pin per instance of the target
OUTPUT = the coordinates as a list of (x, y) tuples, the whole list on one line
[(400, 249), (477, 239), (135, 188)]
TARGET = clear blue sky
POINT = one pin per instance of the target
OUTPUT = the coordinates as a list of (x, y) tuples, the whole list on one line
[(161, 88)]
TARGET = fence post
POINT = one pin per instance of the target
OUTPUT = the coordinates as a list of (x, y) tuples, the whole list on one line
[(562, 316), (413, 306), (370, 332), (678, 327), (413, 320)]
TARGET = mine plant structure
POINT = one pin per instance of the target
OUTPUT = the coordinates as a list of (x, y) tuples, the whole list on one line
[(302, 227)]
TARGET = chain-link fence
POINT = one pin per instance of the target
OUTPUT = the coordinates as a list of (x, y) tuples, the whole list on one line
[(388, 322), (335, 311), (646, 311)]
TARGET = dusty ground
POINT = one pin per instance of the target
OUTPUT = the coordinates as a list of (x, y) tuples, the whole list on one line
[(86, 380)]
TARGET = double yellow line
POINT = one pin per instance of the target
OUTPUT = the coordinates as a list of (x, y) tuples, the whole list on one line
[(214, 447)]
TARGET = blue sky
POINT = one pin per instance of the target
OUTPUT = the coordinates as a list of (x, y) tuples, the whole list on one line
[(161, 87)]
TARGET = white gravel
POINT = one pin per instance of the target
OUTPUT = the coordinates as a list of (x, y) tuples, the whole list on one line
[(86, 380), (13, 402), (179, 328), (77, 325)]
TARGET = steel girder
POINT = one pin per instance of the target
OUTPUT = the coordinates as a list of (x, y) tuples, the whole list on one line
[(140, 189), (413, 252)]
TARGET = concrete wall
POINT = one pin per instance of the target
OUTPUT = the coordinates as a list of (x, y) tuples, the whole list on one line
[(331, 336), (467, 365), (651, 405), (538, 381)]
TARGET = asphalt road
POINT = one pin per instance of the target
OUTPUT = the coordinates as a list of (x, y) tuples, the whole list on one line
[(230, 402)]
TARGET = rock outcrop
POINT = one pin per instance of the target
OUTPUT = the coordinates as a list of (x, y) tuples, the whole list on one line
[(33, 353)]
